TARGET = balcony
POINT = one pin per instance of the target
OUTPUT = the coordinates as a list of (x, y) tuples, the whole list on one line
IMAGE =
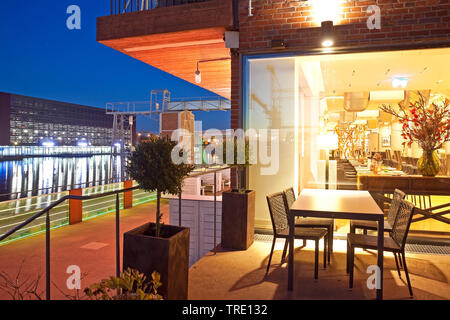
[(173, 36)]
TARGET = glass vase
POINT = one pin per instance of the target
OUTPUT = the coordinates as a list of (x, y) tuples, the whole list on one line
[(429, 164)]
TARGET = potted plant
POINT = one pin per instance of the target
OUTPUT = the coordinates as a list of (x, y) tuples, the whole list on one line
[(130, 285), (428, 124), (153, 246), (238, 205)]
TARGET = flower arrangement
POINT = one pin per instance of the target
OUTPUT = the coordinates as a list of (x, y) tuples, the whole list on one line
[(428, 125)]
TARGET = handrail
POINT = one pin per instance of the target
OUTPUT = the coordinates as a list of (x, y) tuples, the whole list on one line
[(127, 6), (59, 201), (47, 209)]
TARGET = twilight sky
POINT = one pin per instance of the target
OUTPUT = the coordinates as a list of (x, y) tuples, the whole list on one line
[(41, 57)]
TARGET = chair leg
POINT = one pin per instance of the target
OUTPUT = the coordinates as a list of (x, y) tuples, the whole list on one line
[(284, 250), (348, 258), (316, 261), (365, 232), (304, 242), (398, 267), (270, 257), (407, 275), (330, 242), (351, 266), (325, 251)]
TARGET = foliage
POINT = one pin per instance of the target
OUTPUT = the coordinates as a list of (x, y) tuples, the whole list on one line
[(131, 285), (428, 125), (152, 167)]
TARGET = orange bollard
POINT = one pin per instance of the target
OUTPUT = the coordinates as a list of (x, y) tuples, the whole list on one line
[(128, 196), (75, 207)]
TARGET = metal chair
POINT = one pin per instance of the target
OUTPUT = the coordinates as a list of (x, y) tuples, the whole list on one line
[(373, 225), (395, 243), (279, 215), (312, 222)]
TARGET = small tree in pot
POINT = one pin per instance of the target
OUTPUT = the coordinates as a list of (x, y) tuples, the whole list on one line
[(154, 246), (238, 206)]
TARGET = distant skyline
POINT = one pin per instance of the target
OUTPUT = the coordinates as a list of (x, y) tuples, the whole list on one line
[(41, 57)]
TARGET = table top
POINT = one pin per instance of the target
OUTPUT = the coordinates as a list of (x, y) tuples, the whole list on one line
[(346, 202)]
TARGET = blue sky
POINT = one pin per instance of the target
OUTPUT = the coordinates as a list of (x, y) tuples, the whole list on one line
[(41, 57)]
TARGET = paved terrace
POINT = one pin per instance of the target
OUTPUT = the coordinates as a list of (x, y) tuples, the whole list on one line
[(229, 274)]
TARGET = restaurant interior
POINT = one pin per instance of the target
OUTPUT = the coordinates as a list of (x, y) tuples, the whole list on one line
[(334, 133)]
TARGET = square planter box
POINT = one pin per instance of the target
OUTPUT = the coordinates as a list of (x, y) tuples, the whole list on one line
[(238, 219), (167, 255)]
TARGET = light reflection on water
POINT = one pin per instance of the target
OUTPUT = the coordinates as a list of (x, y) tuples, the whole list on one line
[(36, 176)]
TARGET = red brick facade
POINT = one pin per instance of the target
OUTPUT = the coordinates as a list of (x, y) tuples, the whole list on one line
[(402, 22)]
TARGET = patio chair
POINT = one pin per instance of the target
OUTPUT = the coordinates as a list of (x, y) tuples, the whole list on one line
[(323, 223), (279, 215), (373, 225), (395, 243)]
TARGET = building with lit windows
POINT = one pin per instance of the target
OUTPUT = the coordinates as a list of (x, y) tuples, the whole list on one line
[(29, 121)]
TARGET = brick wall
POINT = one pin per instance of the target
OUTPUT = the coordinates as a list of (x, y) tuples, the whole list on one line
[(402, 22)]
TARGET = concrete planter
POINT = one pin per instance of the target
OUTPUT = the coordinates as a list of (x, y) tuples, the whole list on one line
[(169, 255), (238, 219)]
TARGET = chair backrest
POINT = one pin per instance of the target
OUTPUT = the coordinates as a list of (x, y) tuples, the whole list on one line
[(278, 214), (402, 223), (290, 196), (393, 209)]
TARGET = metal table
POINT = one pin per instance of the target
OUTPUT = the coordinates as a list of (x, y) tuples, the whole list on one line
[(336, 204)]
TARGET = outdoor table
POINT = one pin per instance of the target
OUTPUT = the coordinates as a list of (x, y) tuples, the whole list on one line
[(336, 204)]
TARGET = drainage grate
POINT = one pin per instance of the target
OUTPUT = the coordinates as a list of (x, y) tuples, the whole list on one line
[(410, 247)]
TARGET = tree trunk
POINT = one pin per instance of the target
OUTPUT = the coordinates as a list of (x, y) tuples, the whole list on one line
[(158, 214)]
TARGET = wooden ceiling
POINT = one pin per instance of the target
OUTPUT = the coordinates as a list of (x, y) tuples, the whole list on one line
[(175, 38), (178, 53)]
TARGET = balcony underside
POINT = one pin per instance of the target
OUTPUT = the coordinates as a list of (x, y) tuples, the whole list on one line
[(178, 53), (174, 39)]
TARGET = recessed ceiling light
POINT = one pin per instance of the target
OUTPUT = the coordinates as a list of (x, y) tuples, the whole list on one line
[(400, 82)]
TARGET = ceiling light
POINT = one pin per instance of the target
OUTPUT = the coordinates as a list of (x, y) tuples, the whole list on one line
[(395, 95), (400, 82), (327, 38)]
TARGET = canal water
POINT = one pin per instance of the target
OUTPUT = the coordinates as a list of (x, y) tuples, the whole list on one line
[(44, 175)]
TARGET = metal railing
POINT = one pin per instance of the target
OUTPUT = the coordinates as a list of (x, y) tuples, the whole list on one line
[(46, 212), (126, 6)]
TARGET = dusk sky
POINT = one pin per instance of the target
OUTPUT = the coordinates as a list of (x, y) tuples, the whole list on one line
[(41, 57)]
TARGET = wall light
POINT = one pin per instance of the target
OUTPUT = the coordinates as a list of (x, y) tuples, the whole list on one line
[(198, 74), (327, 38), (326, 10)]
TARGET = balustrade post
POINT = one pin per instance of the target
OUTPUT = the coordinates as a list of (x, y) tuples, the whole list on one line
[(128, 195), (75, 207)]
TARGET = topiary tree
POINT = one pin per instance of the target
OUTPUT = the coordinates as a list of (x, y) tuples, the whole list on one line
[(152, 167)]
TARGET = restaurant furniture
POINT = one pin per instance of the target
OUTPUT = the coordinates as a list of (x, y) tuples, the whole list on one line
[(392, 214), (312, 222), (336, 204), (395, 243), (278, 209)]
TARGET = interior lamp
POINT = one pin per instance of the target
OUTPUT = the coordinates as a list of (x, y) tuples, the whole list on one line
[(327, 38)]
